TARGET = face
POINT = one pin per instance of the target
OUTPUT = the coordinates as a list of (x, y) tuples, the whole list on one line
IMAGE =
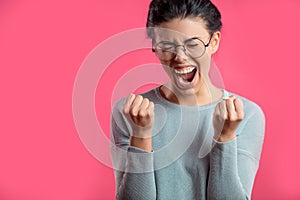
[(186, 71)]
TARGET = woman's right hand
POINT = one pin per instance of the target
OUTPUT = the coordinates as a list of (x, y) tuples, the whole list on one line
[(139, 112)]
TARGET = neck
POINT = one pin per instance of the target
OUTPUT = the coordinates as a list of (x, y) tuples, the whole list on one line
[(205, 93)]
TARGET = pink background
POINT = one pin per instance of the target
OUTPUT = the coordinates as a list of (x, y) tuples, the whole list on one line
[(42, 45)]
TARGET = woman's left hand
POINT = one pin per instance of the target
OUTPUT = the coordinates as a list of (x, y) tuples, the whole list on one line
[(227, 116)]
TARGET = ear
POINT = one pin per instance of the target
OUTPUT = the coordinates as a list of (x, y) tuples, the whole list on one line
[(215, 41)]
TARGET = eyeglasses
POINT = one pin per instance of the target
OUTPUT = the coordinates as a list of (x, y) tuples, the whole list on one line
[(193, 47)]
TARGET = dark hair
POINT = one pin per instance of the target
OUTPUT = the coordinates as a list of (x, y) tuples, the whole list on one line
[(165, 10)]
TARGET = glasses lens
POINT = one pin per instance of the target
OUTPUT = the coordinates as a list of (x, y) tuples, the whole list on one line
[(165, 50), (195, 47)]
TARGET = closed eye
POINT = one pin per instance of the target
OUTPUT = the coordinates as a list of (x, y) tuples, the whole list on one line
[(165, 46), (191, 45)]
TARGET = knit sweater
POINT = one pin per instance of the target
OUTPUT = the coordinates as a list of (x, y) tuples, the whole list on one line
[(187, 162)]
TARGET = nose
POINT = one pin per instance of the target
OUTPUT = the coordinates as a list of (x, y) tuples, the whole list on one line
[(180, 54)]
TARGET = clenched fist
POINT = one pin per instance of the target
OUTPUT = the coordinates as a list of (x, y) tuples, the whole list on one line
[(227, 116), (139, 112)]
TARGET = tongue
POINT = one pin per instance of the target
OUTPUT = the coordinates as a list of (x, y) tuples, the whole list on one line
[(189, 76)]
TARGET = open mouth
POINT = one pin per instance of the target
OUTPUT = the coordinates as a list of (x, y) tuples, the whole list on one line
[(186, 74)]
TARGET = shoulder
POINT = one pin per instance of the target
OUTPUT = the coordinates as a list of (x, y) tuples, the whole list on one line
[(152, 94)]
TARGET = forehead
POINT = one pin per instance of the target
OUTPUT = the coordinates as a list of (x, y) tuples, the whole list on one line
[(180, 29)]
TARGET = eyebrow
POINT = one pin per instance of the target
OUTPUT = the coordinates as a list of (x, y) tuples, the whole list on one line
[(166, 41)]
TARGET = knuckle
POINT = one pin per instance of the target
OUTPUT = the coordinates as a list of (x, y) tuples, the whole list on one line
[(230, 116), (241, 117), (234, 119), (151, 109), (149, 113), (239, 101), (218, 115), (225, 117), (139, 97), (125, 110), (133, 112), (141, 113), (130, 96), (240, 114), (151, 103)]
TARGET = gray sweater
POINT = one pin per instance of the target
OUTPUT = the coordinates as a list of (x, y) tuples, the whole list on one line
[(186, 162)]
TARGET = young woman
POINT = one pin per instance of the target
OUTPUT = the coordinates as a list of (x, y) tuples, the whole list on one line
[(186, 139)]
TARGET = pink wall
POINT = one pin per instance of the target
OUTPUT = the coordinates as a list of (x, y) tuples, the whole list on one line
[(42, 46)]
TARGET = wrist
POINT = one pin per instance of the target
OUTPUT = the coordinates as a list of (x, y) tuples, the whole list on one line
[(142, 132), (225, 137), (142, 143)]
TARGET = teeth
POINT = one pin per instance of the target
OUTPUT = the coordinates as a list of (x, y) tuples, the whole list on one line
[(184, 70)]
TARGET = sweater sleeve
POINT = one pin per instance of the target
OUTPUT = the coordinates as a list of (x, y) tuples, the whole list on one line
[(233, 164), (133, 167)]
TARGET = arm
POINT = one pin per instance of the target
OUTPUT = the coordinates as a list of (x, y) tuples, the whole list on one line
[(234, 163), (133, 166)]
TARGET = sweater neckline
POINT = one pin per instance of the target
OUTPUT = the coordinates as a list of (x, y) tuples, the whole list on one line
[(178, 106)]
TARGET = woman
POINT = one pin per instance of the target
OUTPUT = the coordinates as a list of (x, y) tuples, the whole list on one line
[(186, 139)]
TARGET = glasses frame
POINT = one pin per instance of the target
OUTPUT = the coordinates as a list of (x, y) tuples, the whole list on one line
[(184, 48)]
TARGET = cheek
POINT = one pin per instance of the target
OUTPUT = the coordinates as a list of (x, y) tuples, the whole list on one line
[(203, 63), (167, 69), (166, 66)]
